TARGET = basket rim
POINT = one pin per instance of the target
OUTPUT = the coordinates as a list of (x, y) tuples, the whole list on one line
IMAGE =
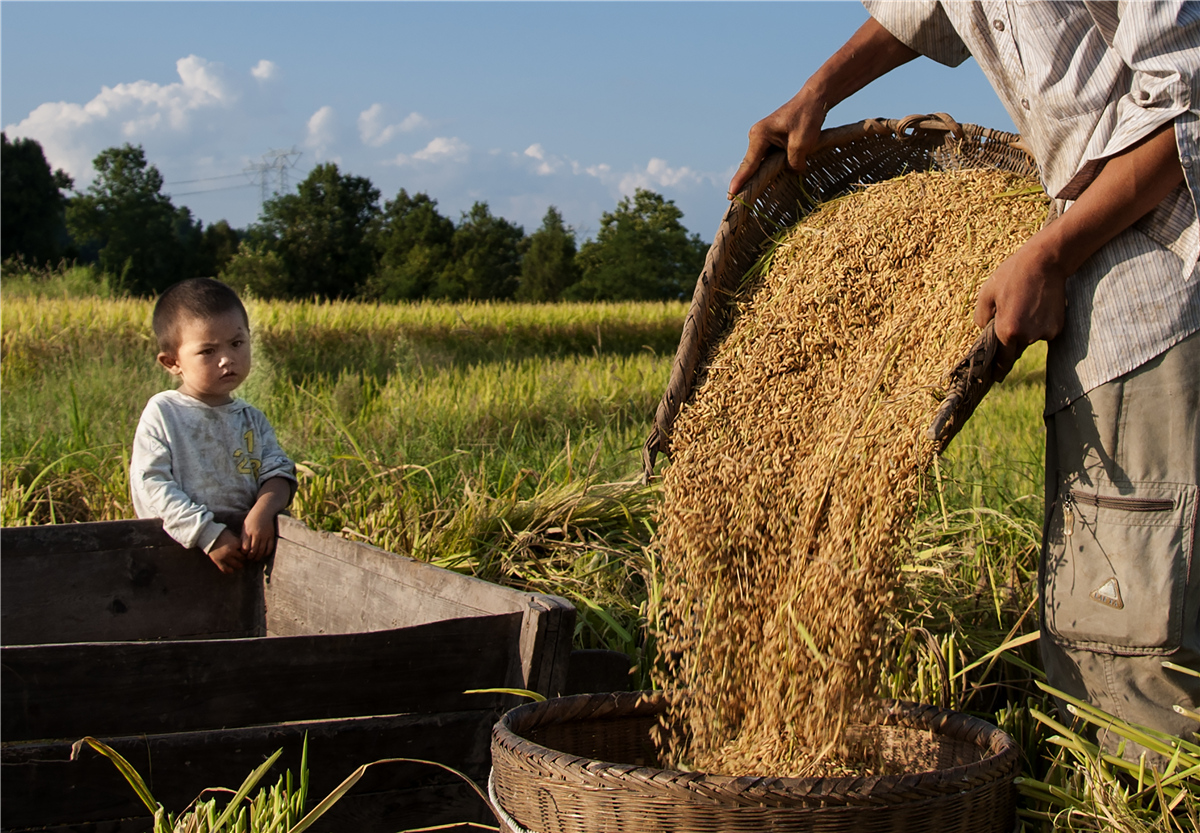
[(999, 750)]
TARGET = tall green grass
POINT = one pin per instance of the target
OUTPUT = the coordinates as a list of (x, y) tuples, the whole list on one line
[(65, 280)]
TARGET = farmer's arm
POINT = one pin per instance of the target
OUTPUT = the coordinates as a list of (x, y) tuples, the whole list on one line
[(1027, 293), (871, 52)]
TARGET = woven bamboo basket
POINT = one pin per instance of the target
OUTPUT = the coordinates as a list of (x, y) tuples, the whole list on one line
[(776, 198), (587, 764)]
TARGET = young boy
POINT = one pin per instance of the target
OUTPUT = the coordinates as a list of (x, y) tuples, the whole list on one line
[(208, 465)]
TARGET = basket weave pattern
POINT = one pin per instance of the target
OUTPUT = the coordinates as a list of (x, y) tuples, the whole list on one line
[(588, 764), (775, 199)]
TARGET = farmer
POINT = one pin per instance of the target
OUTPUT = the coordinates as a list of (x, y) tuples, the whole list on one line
[(205, 463), (1108, 97)]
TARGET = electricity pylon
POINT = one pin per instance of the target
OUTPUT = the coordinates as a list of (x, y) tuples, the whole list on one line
[(275, 166)]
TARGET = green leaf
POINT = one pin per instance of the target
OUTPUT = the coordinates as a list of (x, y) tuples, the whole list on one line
[(126, 769), (244, 790), (519, 692)]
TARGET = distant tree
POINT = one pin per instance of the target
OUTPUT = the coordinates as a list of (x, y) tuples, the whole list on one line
[(642, 252), (485, 260), (190, 234), (548, 265), (414, 243), (322, 233), (32, 216), (136, 227), (218, 245), (254, 269)]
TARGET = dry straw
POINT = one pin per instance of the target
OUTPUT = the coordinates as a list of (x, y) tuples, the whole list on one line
[(797, 464)]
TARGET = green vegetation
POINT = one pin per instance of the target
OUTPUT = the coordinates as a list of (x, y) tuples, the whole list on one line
[(330, 239), (32, 209), (282, 808), (502, 440)]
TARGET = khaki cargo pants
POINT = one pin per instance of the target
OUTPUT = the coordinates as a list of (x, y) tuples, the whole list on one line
[(1120, 582)]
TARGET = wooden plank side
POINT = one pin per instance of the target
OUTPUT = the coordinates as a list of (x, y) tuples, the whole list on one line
[(42, 787), (320, 583), (124, 594), (67, 691), (547, 631), (88, 537)]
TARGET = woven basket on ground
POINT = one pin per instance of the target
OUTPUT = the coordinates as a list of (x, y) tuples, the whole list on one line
[(776, 198), (587, 764)]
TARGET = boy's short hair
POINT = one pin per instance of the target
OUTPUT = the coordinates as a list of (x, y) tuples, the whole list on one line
[(188, 300)]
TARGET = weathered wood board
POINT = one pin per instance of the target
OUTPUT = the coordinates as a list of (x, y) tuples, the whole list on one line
[(78, 583), (112, 630), (72, 690)]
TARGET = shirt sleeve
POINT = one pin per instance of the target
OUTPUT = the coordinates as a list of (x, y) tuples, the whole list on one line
[(1159, 43), (921, 25), (274, 463), (155, 492)]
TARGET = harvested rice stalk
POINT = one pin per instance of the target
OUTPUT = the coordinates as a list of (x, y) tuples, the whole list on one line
[(797, 464)]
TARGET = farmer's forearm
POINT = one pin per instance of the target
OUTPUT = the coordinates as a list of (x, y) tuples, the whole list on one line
[(1026, 295), (796, 126), (871, 53), (1130, 186)]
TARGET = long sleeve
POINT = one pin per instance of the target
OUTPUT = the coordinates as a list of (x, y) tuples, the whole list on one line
[(272, 460), (156, 492), (1160, 44)]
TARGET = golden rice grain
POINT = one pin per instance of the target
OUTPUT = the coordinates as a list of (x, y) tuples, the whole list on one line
[(797, 463)]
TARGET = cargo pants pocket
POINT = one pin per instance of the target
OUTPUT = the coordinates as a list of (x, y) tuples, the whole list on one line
[(1116, 565)]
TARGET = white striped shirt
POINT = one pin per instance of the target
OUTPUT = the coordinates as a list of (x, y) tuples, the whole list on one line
[(1084, 81)]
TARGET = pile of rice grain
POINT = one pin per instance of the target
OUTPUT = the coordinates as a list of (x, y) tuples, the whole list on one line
[(797, 464)]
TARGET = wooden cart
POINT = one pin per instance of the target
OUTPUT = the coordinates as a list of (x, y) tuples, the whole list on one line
[(115, 631)]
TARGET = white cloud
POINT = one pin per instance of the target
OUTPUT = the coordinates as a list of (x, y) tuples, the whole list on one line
[(547, 164), (373, 132), (440, 150), (265, 70), (658, 174), (71, 134), (321, 130)]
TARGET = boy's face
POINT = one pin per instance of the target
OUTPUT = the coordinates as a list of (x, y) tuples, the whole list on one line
[(213, 357)]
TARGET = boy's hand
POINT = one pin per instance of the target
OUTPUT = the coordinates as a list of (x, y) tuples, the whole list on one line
[(227, 553), (258, 532)]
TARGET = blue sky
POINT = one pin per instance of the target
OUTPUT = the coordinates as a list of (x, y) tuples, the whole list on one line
[(521, 105)]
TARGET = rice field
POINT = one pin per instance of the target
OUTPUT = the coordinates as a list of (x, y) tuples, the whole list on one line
[(504, 441)]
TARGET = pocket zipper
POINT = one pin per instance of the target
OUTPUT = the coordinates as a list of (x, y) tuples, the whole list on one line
[(1129, 504)]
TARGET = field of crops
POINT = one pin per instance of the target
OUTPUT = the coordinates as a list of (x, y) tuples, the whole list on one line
[(504, 441)]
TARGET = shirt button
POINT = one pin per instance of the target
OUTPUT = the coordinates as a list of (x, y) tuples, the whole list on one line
[(1025, 103), (1186, 161), (998, 25)]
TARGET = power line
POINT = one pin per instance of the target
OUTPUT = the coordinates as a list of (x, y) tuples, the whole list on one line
[(206, 179), (213, 190), (277, 162)]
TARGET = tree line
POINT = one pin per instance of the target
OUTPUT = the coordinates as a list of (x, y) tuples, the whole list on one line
[(333, 239)]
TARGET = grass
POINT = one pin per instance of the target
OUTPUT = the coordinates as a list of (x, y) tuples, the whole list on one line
[(65, 280), (503, 440)]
